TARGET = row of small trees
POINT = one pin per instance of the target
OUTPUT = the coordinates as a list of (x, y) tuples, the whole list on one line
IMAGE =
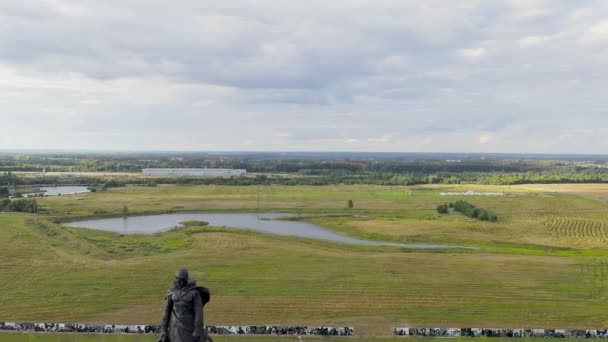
[(22, 205), (467, 209), (444, 208)]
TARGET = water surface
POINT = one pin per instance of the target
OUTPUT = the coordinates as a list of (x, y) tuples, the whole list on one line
[(58, 190), (267, 223)]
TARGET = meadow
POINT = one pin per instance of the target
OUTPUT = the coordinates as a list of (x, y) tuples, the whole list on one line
[(541, 265)]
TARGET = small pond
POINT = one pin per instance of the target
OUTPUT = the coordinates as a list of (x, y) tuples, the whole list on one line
[(266, 223), (58, 190)]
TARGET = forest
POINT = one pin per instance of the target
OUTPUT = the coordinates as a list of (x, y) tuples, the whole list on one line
[(295, 169)]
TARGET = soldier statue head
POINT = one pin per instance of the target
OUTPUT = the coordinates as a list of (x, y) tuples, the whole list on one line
[(181, 277)]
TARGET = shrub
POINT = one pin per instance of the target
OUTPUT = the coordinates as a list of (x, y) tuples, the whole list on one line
[(22, 205), (483, 215), (471, 211), (4, 203), (442, 209)]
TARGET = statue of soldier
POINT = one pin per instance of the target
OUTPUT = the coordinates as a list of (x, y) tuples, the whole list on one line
[(183, 312)]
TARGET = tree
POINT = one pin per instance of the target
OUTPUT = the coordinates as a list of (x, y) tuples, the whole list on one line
[(483, 215), (22, 205), (442, 209), (125, 210), (4, 203), (350, 204)]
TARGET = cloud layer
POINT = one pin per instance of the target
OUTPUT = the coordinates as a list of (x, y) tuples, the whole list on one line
[(474, 76)]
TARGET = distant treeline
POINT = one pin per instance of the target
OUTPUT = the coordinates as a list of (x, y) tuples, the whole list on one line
[(134, 162), (302, 171), (332, 178)]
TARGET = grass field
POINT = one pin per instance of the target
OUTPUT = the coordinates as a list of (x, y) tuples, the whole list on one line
[(596, 191), (543, 264)]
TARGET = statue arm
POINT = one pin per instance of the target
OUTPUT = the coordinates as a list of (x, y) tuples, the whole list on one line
[(198, 314), (167, 313)]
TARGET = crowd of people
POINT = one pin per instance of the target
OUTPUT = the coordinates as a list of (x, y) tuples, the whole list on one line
[(154, 329), (513, 333)]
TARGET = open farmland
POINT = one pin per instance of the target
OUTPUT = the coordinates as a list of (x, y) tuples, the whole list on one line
[(400, 214), (592, 191), (540, 264)]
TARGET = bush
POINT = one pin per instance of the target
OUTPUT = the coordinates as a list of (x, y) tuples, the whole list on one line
[(471, 211), (4, 203), (442, 209), (23, 205), (483, 215)]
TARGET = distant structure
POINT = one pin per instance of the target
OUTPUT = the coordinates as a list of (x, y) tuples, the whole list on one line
[(471, 193), (193, 172)]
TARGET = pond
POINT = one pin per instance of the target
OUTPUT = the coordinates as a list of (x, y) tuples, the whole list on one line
[(266, 223), (58, 190)]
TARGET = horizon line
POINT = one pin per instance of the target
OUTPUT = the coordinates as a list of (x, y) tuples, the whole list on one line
[(50, 150)]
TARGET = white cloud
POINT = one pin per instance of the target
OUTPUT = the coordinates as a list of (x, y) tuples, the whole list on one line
[(473, 53), (333, 75), (596, 32), (531, 41), (387, 137), (284, 135), (486, 138)]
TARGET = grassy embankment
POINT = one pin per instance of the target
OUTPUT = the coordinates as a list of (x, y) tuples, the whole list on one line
[(535, 274)]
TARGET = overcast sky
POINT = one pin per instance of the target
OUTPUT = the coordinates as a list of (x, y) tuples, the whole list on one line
[(431, 75)]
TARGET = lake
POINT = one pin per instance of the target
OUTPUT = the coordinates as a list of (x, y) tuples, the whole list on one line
[(57, 190), (266, 223)]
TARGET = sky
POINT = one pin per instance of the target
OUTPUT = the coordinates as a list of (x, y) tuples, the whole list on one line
[(341, 75)]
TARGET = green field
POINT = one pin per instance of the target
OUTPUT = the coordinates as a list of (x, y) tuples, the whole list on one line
[(541, 265)]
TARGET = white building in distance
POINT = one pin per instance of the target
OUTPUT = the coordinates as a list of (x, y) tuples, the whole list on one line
[(193, 172), (471, 193)]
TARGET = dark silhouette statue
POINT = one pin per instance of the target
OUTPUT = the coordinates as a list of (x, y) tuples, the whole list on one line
[(183, 312)]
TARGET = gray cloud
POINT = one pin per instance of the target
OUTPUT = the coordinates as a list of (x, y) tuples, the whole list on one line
[(513, 76)]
